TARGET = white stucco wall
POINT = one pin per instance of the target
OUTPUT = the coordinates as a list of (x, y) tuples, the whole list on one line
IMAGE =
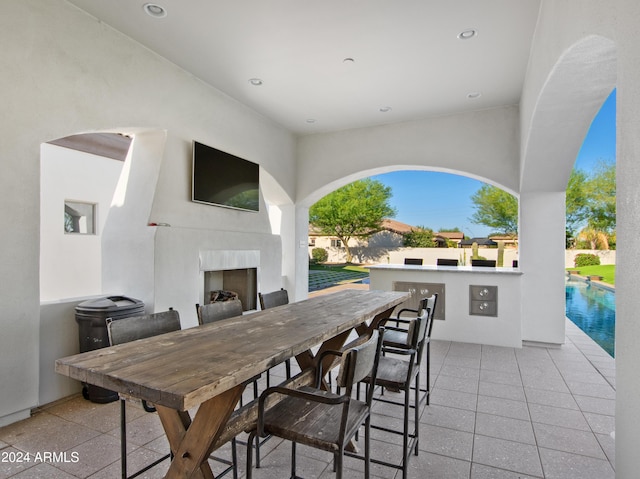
[(481, 144), (65, 73), (628, 269), (58, 337), (571, 72)]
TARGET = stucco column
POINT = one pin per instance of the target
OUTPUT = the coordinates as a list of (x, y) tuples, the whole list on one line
[(301, 248), (294, 221), (541, 247), (127, 242), (627, 433), (287, 231)]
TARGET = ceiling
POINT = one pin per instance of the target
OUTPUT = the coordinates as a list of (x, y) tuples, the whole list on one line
[(329, 65), (108, 145)]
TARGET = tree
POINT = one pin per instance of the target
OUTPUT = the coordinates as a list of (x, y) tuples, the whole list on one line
[(590, 204), (497, 209), (576, 201), (601, 197), (592, 238), (355, 210), (419, 237), (591, 207)]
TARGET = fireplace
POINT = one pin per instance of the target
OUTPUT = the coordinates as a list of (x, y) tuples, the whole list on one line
[(242, 282), (231, 270)]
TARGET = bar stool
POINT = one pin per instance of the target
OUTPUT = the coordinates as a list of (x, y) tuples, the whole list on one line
[(323, 419), (399, 370), (398, 336), (138, 327)]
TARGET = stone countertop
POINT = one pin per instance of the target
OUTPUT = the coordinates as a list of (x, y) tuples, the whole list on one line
[(445, 269)]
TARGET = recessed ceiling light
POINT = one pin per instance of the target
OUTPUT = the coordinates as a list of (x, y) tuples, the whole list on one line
[(155, 10), (311, 120), (474, 94), (255, 81), (385, 109), (348, 60), (467, 34)]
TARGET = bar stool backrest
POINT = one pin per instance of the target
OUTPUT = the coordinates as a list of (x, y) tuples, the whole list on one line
[(446, 262), (212, 312), (431, 310), (417, 329), (144, 326), (358, 362), (484, 263), (414, 261), (273, 299)]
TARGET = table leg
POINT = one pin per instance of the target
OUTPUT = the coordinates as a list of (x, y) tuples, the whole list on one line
[(365, 328), (191, 441), (307, 360)]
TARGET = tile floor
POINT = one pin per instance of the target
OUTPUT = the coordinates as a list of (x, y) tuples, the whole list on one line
[(494, 413)]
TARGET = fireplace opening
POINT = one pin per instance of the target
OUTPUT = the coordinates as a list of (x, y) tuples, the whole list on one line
[(225, 284)]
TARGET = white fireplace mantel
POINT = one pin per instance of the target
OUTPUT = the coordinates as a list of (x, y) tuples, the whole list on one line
[(218, 260)]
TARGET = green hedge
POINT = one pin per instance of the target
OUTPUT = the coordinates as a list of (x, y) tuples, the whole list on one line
[(319, 255), (584, 259)]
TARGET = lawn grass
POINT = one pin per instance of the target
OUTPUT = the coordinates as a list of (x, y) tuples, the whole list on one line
[(607, 271), (339, 267)]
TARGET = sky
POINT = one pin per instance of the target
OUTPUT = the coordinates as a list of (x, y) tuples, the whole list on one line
[(442, 200)]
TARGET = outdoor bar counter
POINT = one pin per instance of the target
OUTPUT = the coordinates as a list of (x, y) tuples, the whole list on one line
[(475, 304)]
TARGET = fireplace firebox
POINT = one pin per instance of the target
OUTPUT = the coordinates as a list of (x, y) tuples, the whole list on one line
[(224, 284)]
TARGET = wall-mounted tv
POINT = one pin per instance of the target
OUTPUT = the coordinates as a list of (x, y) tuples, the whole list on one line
[(222, 179)]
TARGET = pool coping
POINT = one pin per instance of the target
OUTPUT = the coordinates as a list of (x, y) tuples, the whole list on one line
[(598, 284), (599, 358)]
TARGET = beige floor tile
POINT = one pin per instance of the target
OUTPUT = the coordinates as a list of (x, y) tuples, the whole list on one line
[(498, 413)]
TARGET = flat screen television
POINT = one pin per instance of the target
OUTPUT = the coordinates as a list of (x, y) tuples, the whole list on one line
[(222, 179)]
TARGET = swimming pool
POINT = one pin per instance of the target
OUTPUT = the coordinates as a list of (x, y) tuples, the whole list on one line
[(593, 310)]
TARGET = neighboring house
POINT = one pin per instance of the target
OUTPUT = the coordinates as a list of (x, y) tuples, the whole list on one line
[(491, 242), (482, 243), (391, 235), (442, 237)]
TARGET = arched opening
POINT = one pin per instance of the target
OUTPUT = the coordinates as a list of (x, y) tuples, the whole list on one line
[(557, 120), (78, 179), (434, 202), (109, 178), (591, 191)]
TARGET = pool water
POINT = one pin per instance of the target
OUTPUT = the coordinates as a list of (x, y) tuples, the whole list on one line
[(593, 310)]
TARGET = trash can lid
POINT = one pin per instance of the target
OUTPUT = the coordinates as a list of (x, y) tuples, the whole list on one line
[(109, 303)]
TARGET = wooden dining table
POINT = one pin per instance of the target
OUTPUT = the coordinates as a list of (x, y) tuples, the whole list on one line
[(205, 368)]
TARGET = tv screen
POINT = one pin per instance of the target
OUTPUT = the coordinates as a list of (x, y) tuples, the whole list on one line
[(223, 179)]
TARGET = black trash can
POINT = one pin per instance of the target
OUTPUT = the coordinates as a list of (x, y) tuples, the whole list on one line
[(91, 317)]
